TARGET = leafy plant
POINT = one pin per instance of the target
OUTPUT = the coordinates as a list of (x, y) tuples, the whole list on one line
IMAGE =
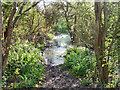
[(62, 28), (79, 61), (25, 65)]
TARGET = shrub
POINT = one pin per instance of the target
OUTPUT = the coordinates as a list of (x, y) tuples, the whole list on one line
[(24, 65), (79, 61)]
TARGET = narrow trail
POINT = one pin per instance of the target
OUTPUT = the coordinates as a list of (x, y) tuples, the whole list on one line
[(58, 78)]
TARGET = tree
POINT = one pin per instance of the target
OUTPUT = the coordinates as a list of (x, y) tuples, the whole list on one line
[(10, 25), (7, 38), (67, 11), (99, 44), (0, 46), (118, 41)]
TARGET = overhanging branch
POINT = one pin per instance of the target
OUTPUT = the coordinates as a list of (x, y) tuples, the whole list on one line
[(20, 12)]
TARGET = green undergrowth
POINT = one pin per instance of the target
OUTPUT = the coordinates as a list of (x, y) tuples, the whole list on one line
[(24, 66), (81, 63)]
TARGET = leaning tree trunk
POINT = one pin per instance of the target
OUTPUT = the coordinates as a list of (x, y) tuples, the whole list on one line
[(7, 38), (8, 33), (118, 41), (99, 44), (118, 44), (0, 46)]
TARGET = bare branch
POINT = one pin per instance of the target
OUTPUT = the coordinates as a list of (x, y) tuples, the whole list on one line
[(20, 12)]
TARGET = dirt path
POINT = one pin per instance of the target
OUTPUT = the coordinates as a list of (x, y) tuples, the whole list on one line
[(57, 78)]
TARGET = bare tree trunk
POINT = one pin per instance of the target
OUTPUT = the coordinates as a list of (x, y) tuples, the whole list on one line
[(104, 62), (75, 39), (118, 44), (118, 41), (9, 29), (99, 44), (0, 46), (67, 21), (97, 14), (8, 35)]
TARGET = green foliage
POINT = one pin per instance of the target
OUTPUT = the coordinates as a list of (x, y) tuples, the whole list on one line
[(51, 36), (79, 61), (40, 46), (62, 27), (24, 65), (36, 25), (111, 84), (85, 81)]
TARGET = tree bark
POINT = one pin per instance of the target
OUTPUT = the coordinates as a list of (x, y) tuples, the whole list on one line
[(8, 32), (75, 39), (104, 62), (118, 41), (0, 46), (8, 35), (99, 44)]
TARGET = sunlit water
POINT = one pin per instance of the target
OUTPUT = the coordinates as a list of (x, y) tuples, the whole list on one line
[(54, 55), (62, 40)]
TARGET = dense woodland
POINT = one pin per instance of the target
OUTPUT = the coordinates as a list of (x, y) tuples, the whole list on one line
[(26, 27)]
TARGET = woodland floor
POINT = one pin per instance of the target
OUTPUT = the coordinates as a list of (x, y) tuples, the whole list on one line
[(56, 78)]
